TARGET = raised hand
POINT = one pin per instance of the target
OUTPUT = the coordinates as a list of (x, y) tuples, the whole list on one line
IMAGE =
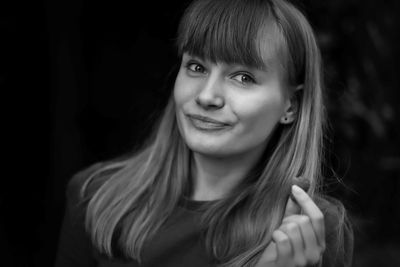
[(300, 240)]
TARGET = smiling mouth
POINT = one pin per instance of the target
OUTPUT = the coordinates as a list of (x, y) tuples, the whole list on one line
[(206, 123)]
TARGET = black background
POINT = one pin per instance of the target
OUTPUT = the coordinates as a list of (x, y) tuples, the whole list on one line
[(83, 81)]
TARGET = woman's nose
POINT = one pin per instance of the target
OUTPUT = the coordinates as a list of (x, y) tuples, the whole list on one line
[(211, 94)]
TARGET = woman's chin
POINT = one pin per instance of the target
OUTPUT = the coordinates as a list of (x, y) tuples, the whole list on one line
[(208, 148)]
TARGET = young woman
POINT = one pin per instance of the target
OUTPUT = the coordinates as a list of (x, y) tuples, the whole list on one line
[(211, 188)]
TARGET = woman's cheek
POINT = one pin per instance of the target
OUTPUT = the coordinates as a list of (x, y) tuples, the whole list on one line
[(259, 115)]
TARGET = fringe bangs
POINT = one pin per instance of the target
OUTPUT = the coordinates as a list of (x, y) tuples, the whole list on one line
[(221, 31)]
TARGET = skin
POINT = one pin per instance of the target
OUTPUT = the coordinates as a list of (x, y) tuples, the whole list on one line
[(226, 114), (248, 103), (300, 240)]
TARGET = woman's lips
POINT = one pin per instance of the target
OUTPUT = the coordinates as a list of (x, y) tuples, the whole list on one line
[(207, 123)]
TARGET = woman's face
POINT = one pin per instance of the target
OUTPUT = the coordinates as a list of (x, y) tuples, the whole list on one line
[(225, 110)]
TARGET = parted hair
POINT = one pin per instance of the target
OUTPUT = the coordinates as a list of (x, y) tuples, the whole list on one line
[(131, 205)]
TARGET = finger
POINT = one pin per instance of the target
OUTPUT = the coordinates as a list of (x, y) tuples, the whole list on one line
[(312, 211), (291, 208), (270, 254), (292, 230), (312, 251), (302, 182), (283, 247)]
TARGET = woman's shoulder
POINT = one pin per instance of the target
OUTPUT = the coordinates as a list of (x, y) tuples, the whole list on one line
[(338, 232), (335, 213), (330, 207), (76, 182), (85, 182)]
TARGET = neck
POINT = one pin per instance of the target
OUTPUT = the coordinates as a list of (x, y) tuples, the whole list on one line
[(213, 178)]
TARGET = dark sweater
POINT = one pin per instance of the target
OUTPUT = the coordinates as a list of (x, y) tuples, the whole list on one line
[(179, 241)]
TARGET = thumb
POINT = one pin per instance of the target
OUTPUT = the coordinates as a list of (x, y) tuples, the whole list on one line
[(291, 208)]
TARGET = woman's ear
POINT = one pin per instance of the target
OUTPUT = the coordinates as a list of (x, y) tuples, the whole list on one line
[(292, 106)]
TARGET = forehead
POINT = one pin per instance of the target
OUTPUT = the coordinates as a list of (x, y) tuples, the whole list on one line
[(265, 51), (241, 35)]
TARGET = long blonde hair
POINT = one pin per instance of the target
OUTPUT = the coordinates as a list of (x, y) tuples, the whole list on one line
[(131, 205)]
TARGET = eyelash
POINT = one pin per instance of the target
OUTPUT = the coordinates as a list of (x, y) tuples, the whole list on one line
[(191, 66), (247, 75)]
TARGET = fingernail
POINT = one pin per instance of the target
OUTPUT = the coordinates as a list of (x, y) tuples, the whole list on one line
[(296, 190), (302, 182)]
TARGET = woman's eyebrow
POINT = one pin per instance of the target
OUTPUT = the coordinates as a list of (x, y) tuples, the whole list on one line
[(193, 56), (263, 68)]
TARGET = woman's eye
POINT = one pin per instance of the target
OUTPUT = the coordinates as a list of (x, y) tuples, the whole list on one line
[(244, 78), (195, 67)]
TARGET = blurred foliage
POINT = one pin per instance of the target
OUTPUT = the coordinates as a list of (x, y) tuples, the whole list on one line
[(359, 45), (357, 40)]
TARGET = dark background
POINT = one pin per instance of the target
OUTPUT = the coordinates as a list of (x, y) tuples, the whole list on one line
[(83, 81)]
